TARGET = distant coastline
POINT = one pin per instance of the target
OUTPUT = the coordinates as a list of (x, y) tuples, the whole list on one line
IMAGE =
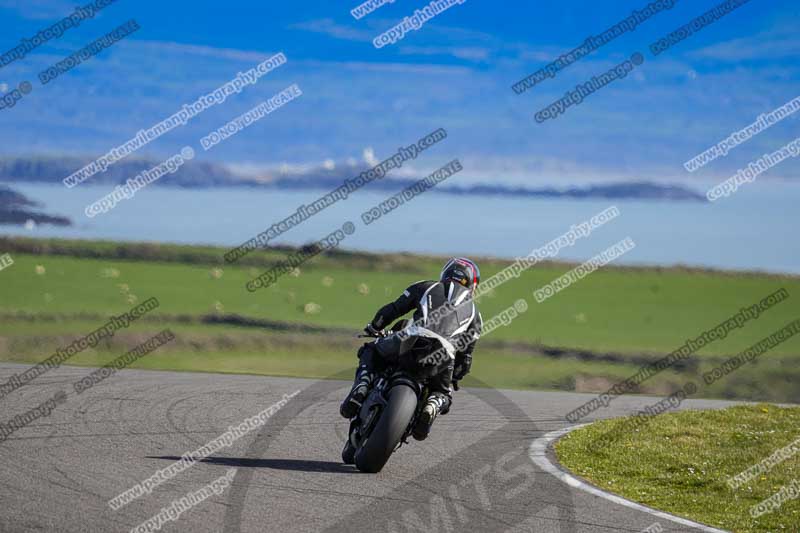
[(202, 175), (15, 209)]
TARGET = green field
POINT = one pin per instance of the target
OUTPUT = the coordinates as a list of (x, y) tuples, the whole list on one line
[(585, 337), (680, 463)]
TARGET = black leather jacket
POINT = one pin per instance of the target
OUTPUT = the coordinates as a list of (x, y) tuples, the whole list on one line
[(457, 317)]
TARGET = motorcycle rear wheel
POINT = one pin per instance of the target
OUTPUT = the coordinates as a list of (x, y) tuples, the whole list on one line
[(373, 454)]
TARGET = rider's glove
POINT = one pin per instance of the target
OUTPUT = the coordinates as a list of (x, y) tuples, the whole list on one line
[(371, 331), (462, 368)]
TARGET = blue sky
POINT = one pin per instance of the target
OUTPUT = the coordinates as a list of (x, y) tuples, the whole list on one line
[(455, 72)]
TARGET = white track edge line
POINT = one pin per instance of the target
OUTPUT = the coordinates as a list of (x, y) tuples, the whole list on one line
[(538, 454)]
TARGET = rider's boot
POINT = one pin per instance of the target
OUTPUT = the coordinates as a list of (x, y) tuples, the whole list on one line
[(358, 394), (436, 403)]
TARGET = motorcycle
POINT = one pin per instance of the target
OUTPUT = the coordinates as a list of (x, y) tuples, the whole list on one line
[(390, 411)]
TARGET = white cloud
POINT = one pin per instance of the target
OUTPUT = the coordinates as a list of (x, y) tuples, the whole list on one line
[(470, 53), (39, 9), (205, 51), (369, 157), (332, 29), (777, 44)]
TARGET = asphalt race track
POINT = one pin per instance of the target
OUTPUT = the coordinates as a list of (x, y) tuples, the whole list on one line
[(473, 473)]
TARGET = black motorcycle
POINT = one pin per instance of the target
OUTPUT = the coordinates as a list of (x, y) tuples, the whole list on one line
[(390, 411)]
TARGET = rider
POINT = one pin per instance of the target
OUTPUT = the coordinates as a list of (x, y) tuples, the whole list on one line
[(460, 324)]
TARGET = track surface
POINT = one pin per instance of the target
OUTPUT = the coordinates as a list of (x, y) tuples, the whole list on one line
[(59, 473)]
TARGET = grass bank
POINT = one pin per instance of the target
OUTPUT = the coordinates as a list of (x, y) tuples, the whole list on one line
[(681, 463), (585, 337)]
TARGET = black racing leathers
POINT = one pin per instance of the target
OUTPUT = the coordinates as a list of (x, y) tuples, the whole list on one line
[(445, 308)]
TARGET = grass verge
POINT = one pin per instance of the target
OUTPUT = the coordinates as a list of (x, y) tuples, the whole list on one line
[(585, 338), (224, 349), (680, 463)]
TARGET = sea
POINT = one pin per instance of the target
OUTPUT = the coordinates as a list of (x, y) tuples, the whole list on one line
[(754, 229)]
